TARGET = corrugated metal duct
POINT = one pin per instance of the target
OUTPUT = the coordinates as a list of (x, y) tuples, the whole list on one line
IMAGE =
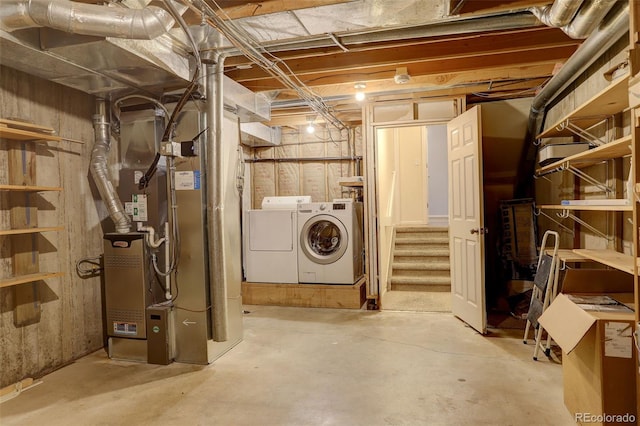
[(86, 19), (576, 18)]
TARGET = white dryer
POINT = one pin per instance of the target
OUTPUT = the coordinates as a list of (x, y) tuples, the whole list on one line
[(330, 246), (271, 241)]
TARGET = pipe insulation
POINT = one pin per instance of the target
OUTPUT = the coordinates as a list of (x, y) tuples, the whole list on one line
[(215, 205), (100, 171), (558, 14), (576, 18), (88, 19), (591, 50)]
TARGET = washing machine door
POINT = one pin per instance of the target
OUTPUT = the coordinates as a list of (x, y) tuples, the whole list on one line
[(323, 239)]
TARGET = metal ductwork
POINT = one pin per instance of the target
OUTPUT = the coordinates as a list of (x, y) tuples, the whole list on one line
[(100, 171), (558, 14), (576, 18), (454, 26), (593, 48), (86, 19)]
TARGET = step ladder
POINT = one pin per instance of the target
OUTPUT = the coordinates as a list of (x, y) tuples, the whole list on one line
[(545, 288)]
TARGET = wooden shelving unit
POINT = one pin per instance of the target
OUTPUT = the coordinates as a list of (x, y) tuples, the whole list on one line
[(619, 148), (611, 100), (18, 139)]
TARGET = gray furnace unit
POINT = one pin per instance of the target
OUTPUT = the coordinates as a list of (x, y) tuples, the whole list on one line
[(127, 280)]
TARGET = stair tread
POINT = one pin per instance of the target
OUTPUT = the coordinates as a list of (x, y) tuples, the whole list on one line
[(422, 252), (421, 280), (421, 265)]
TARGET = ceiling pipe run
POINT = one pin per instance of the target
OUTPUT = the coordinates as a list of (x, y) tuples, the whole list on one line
[(593, 48), (576, 18), (558, 14), (523, 19), (86, 19)]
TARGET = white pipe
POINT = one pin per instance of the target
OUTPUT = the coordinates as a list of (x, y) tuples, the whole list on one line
[(87, 19), (150, 238)]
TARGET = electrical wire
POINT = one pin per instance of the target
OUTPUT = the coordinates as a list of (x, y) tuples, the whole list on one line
[(249, 47), (95, 269)]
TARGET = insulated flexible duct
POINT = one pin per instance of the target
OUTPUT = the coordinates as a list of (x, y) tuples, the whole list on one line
[(100, 172), (577, 24), (87, 19), (593, 48)]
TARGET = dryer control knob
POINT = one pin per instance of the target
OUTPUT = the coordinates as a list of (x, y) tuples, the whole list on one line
[(323, 206)]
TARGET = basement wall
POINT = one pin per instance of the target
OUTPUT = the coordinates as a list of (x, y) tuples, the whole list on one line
[(71, 320), (563, 185), (285, 170)]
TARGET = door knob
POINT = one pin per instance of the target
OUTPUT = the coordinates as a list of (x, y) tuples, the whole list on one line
[(480, 231)]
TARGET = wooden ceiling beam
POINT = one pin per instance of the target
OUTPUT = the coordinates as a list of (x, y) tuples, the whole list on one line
[(509, 39), (232, 9), (467, 48), (421, 68)]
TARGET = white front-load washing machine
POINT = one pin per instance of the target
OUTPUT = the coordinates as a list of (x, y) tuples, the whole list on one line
[(330, 246), (271, 240)]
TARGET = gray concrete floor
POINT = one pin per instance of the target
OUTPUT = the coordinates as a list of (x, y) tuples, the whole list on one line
[(301, 366)]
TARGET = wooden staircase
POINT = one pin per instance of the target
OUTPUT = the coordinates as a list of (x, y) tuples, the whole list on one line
[(421, 259)]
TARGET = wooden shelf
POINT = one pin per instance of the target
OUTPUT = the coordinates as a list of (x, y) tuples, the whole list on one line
[(612, 258), (618, 148), (23, 279), (569, 256), (627, 208), (30, 230), (10, 133), (611, 100), (29, 188)]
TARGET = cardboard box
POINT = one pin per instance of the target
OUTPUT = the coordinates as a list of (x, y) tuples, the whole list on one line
[(599, 359)]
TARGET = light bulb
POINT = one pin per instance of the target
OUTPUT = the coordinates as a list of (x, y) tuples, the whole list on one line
[(360, 91), (311, 128)]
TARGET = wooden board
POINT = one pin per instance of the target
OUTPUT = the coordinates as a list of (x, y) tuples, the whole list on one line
[(26, 126), (588, 207), (611, 100), (29, 188), (30, 230), (569, 256), (29, 278), (617, 260), (305, 295), (618, 148)]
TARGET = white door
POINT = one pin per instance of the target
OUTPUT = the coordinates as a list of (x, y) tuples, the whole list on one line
[(466, 231)]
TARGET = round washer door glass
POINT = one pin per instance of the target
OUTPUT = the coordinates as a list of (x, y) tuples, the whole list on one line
[(324, 240)]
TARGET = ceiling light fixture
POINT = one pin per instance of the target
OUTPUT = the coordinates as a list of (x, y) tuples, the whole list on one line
[(360, 91), (311, 128), (402, 76)]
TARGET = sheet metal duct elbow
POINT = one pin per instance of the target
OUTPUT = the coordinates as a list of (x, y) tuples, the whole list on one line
[(87, 19), (100, 174), (559, 14)]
